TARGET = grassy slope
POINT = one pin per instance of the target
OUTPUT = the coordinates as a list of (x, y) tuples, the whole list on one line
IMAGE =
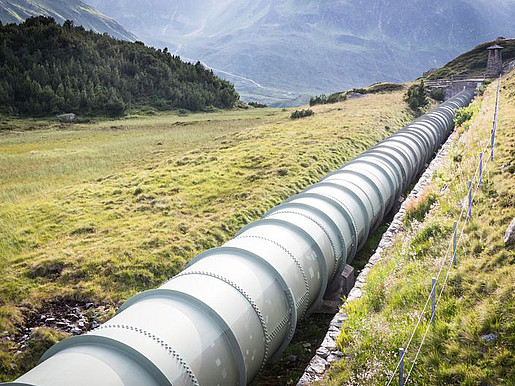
[(479, 296), (109, 212), (474, 61)]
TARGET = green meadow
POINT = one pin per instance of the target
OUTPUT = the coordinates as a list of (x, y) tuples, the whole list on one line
[(99, 211)]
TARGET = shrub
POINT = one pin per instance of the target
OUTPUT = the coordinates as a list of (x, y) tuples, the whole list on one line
[(301, 114), (480, 90), (418, 207), (210, 109), (359, 90), (437, 94), (324, 99), (416, 97), (463, 115), (341, 96), (257, 105)]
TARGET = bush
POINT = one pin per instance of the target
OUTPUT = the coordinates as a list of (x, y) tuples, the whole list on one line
[(416, 97), (301, 114), (210, 109), (437, 94), (257, 105), (418, 207), (341, 96), (463, 115), (324, 99), (480, 90)]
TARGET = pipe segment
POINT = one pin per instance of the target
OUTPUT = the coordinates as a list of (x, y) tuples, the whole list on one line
[(235, 308)]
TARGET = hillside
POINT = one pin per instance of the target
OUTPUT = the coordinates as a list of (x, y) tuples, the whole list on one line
[(474, 61), (472, 340), (16, 11), (282, 49), (46, 68), (95, 213)]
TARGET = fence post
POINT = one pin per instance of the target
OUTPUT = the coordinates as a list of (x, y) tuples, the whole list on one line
[(492, 147), (470, 200), (433, 305), (492, 143), (480, 168), (454, 244), (401, 366)]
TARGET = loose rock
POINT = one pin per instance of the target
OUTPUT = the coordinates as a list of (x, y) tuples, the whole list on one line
[(322, 352), (318, 365), (489, 338), (509, 236)]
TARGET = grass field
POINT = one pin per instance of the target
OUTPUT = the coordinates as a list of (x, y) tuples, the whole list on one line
[(97, 212), (479, 296), (39, 155)]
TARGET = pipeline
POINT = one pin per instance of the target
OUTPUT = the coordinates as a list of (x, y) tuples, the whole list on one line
[(236, 307)]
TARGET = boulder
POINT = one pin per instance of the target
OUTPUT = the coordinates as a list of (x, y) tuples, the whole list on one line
[(70, 117), (509, 236), (354, 95)]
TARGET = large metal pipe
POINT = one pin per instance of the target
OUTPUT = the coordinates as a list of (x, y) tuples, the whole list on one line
[(234, 308)]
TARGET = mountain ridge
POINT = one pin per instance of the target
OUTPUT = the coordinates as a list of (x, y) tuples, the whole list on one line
[(16, 11), (310, 47)]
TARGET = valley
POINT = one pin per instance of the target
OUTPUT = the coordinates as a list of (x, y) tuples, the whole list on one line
[(116, 207), (160, 225), (314, 47)]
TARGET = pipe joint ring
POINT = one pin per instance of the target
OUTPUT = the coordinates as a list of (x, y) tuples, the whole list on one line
[(321, 226), (306, 295), (253, 304), (159, 341), (352, 223)]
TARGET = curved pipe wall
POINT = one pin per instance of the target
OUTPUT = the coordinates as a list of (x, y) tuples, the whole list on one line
[(236, 307)]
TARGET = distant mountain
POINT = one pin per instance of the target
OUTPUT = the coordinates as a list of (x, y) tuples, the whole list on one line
[(16, 11), (314, 46)]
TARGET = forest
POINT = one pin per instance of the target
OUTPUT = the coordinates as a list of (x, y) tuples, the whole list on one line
[(47, 69)]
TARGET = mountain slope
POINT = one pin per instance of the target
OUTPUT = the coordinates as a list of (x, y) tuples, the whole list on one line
[(47, 68), (474, 61), (313, 46), (16, 11)]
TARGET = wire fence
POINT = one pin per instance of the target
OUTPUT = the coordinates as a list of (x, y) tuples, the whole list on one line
[(448, 260)]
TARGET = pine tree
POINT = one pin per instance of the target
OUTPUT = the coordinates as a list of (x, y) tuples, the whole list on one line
[(47, 68)]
